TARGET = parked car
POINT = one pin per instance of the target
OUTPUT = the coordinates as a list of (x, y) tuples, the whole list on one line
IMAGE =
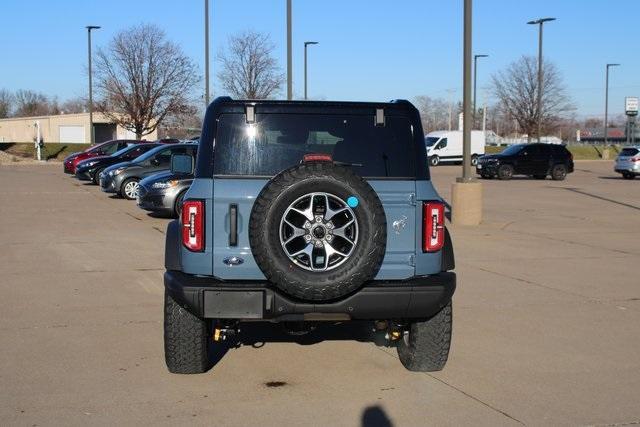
[(163, 192), (104, 149), (168, 141), (124, 178), (536, 160), (446, 146), (309, 212), (90, 169), (628, 162)]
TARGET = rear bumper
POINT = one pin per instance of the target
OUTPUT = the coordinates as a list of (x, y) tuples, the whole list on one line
[(420, 297)]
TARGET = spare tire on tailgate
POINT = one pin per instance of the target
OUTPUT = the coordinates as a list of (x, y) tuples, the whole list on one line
[(318, 231)]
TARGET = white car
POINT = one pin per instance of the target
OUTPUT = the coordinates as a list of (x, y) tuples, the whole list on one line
[(628, 162)]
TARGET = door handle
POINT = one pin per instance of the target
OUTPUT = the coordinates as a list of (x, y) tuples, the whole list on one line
[(233, 224)]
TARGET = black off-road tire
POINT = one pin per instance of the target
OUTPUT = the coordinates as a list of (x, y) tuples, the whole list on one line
[(425, 348), (505, 172), (264, 228), (96, 176), (434, 160), (559, 172), (186, 339), (474, 159)]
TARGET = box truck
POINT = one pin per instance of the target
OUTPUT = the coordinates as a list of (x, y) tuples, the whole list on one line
[(446, 146)]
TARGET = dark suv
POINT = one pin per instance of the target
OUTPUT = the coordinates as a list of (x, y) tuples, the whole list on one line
[(306, 212), (536, 160)]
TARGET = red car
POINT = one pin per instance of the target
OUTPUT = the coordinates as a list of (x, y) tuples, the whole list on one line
[(103, 149)]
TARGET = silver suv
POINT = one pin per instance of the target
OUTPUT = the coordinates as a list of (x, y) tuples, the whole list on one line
[(628, 162)]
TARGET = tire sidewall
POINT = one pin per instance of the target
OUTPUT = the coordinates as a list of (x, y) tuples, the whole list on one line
[(505, 172), (434, 161), (326, 285), (559, 172)]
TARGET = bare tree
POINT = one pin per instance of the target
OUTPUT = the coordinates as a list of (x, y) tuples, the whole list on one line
[(434, 113), (6, 103), (142, 78), (249, 70), (74, 105), (516, 90), (29, 103)]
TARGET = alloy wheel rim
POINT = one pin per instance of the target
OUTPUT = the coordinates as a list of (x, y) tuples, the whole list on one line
[(318, 232), (131, 189)]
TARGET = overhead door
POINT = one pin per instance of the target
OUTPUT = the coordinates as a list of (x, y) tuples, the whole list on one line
[(72, 134)]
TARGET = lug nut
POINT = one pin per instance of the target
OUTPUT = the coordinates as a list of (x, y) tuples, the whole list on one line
[(318, 218), (330, 225), (307, 238), (329, 237), (307, 225), (318, 244)]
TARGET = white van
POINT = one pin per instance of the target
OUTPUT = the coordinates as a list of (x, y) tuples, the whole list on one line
[(446, 146)]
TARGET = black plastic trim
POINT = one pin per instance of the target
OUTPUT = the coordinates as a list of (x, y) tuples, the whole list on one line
[(419, 297), (172, 246), (448, 261)]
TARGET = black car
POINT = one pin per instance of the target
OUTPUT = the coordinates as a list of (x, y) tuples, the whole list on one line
[(89, 170), (124, 178), (163, 192), (536, 160)]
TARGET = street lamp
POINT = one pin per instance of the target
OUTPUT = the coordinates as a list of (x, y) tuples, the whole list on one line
[(475, 80), (540, 23), (289, 60), (466, 192), (91, 134), (606, 102), (305, 66), (206, 51)]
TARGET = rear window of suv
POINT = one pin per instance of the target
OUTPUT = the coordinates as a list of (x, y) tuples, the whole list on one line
[(279, 141)]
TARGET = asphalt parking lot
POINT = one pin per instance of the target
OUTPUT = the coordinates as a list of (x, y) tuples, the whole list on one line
[(546, 319)]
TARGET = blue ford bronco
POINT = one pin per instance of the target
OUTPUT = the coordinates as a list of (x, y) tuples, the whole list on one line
[(306, 212)]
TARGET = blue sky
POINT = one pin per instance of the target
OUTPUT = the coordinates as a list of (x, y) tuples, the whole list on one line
[(369, 50)]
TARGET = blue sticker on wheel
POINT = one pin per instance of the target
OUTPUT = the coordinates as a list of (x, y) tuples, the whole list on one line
[(352, 201)]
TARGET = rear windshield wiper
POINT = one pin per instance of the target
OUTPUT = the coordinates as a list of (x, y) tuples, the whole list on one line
[(359, 165)]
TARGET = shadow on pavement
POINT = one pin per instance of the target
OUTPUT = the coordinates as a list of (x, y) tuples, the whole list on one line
[(375, 416)]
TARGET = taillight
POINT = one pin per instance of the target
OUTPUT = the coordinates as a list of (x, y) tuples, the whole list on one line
[(432, 226), (192, 218)]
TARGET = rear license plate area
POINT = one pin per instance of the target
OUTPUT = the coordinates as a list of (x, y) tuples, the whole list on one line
[(234, 304)]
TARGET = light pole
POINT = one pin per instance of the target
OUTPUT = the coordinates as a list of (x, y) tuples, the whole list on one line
[(91, 134), (466, 192), (206, 51), (305, 66), (475, 81), (466, 94), (289, 65), (606, 101), (540, 23)]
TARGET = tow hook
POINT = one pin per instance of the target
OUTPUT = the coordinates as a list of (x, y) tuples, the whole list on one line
[(221, 334), (392, 331)]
